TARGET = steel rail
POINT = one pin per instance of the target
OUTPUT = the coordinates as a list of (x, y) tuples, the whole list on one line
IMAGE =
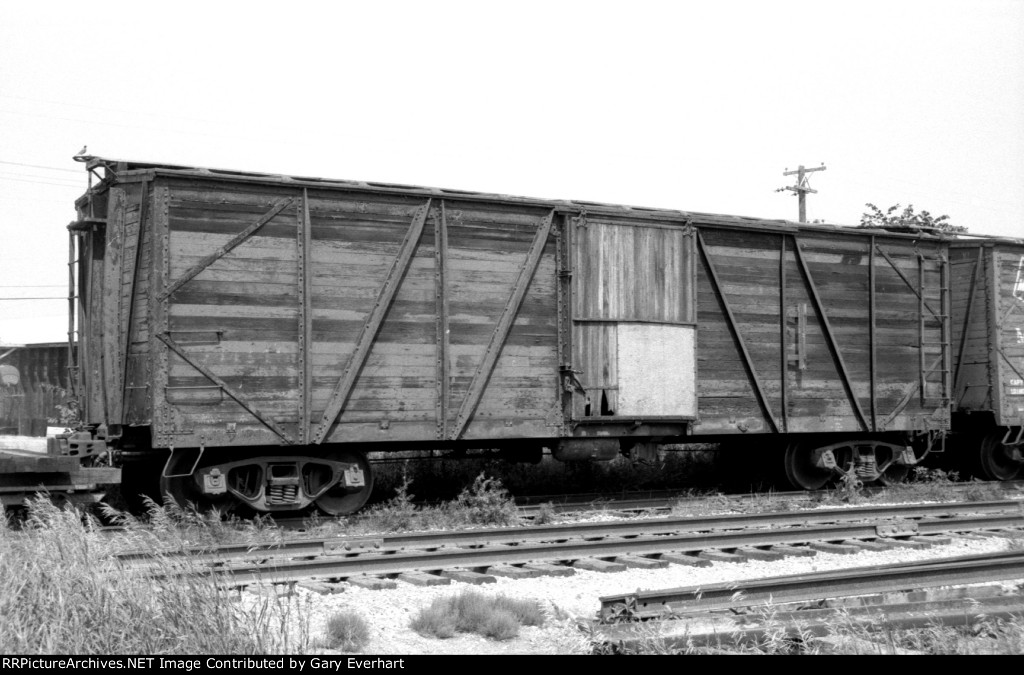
[(397, 562), (720, 631), (557, 532), (666, 498), (960, 570)]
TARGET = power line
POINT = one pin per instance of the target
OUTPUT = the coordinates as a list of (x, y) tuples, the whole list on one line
[(40, 182), (40, 166), (20, 174)]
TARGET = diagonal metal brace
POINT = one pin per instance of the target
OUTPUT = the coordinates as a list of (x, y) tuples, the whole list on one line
[(501, 331), (226, 248), (256, 412), (372, 325), (892, 263), (748, 362), (844, 372)]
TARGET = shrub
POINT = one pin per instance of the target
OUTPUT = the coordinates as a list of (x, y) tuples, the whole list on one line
[(486, 502), (347, 631), (497, 617)]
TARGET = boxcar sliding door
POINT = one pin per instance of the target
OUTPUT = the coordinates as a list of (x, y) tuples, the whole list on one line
[(633, 319)]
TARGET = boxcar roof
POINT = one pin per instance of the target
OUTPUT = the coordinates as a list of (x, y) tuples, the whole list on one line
[(116, 170)]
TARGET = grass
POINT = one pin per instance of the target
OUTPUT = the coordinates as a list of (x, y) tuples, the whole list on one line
[(484, 503), (63, 591), (922, 484), (984, 636), (496, 617), (347, 631)]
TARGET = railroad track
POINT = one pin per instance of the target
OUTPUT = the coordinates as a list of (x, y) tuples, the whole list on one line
[(650, 501), (902, 595), (666, 499), (478, 556)]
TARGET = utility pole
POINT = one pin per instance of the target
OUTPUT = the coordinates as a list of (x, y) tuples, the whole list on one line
[(802, 187)]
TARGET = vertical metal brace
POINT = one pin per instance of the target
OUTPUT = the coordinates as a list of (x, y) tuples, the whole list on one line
[(995, 346), (372, 325), (872, 347), (967, 318), (305, 337), (568, 380), (501, 331), (72, 297), (783, 344), (441, 326), (920, 326)]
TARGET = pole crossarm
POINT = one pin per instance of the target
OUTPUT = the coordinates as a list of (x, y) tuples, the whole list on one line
[(802, 187)]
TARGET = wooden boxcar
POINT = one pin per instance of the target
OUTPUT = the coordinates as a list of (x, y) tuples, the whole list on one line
[(263, 332), (988, 339)]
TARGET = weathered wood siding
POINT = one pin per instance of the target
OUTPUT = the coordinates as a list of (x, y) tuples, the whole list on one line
[(808, 367), (280, 318), (988, 329), (254, 311)]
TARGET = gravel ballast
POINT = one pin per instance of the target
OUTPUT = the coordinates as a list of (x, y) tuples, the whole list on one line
[(567, 601)]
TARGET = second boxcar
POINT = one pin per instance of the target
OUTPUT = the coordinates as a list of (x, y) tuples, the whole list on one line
[(988, 334)]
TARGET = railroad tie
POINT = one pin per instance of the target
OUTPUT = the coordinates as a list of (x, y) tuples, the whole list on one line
[(321, 588), (469, 577), (640, 562), (904, 543), (686, 559), (755, 553), (794, 550), (829, 547), (513, 572), (422, 579), (549, 570), (714, 555), (372, 583), (272, 590), (598, 565), (868, 545), (933, 540)]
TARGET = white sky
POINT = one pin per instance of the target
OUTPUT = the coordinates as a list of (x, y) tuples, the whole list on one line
[(692, 105)]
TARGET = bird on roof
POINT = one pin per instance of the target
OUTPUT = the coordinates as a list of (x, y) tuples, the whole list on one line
[(81, 156)]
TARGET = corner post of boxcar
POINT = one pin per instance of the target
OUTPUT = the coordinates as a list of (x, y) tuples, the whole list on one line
[(569, 387)]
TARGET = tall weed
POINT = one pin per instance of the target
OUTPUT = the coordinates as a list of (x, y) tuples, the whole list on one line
[(64, 591)]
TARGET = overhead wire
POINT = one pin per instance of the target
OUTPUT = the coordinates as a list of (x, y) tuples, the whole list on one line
[(40, 166)]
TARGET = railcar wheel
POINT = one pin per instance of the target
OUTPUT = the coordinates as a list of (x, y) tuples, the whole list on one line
[(995, 460), (801, 471), (339, 500)]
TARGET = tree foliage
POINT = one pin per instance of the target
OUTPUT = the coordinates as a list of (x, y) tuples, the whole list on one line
[(894, 219)]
